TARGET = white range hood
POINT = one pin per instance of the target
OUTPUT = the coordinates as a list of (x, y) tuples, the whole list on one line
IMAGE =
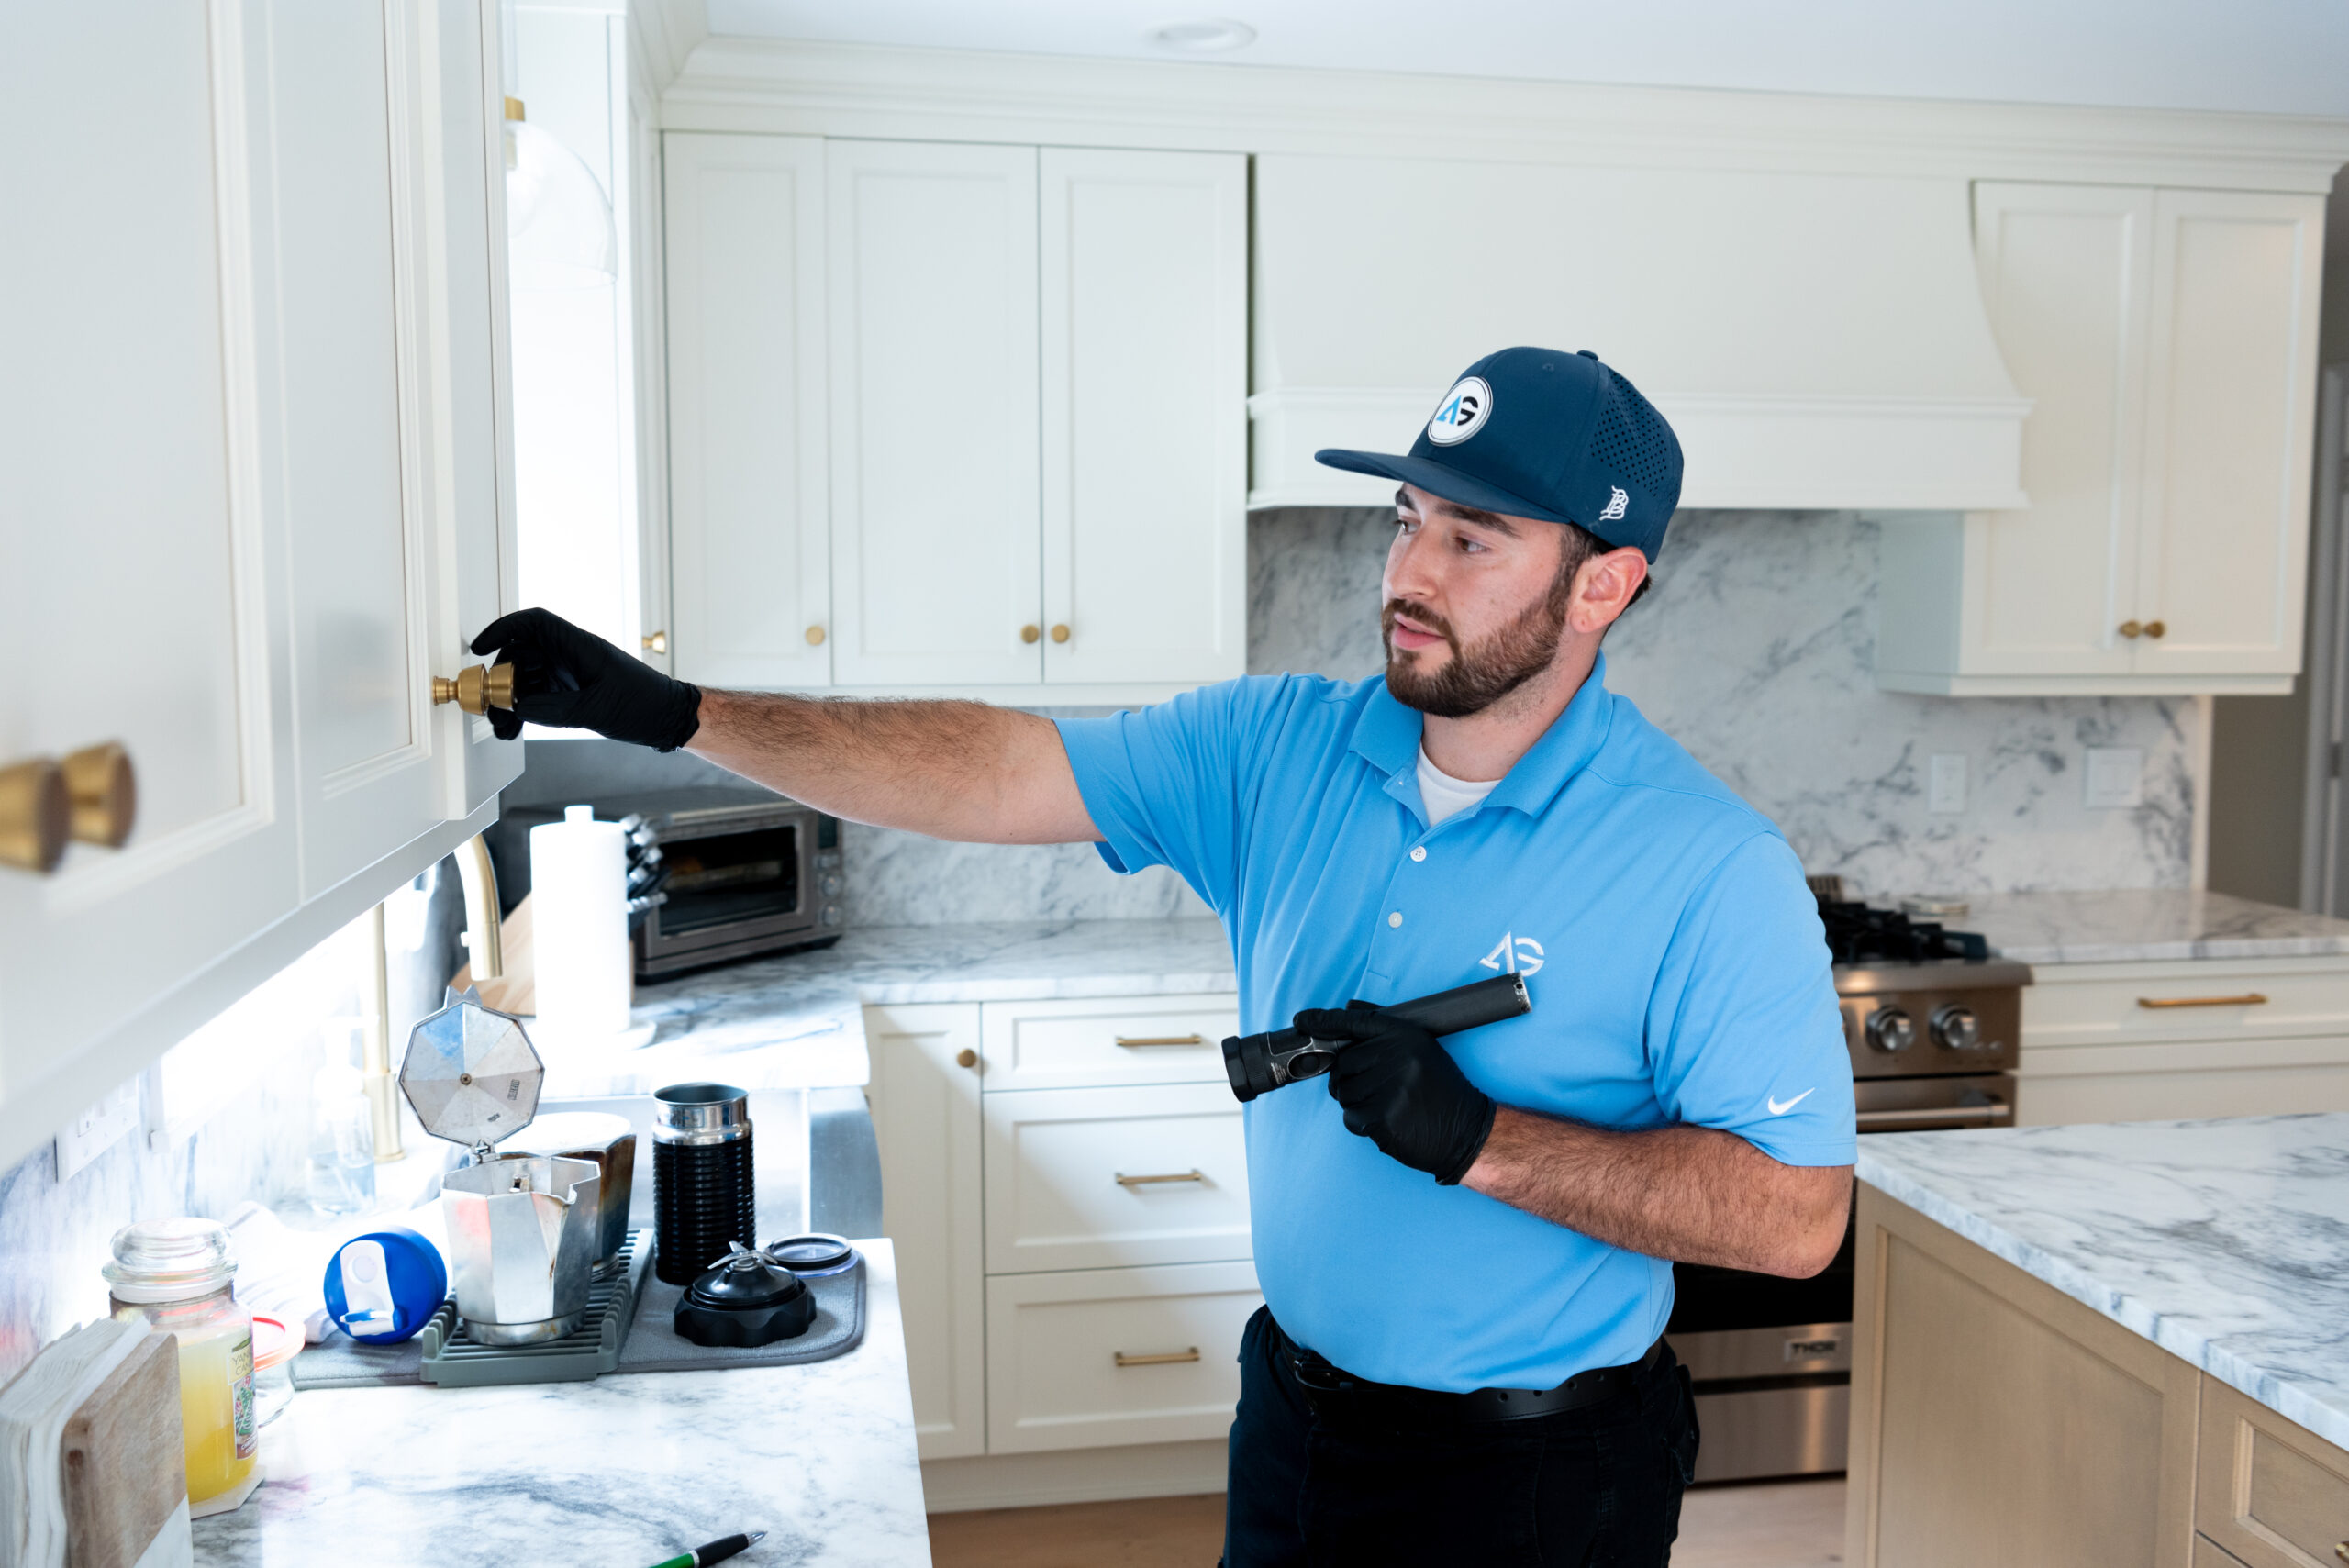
[(1817, 339)]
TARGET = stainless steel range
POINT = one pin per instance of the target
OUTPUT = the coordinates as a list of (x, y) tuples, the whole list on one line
[(1932, 1023)]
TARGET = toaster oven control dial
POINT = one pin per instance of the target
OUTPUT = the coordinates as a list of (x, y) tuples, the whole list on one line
[(1956, 1027), (1891, 1028)]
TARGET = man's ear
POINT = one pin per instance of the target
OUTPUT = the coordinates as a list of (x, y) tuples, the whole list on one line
[(1604, 587)]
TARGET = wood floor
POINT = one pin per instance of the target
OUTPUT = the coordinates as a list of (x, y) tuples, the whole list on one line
[(1793, 1524)]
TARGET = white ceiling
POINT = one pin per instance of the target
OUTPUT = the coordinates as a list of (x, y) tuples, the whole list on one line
[(2276, 56)]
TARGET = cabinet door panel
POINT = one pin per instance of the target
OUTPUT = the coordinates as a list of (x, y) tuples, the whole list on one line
[(1145, 435), (2234, 356), (926, 1118), (749, 530), (349, 447), (135, 599), (934, 431), (2065, 274)]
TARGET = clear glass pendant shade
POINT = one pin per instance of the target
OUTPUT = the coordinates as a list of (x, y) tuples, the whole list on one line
[(558, 223)]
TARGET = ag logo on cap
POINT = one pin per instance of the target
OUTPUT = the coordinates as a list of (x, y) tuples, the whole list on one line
[(1462, 413)]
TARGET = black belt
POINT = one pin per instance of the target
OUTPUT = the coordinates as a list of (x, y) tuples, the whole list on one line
[(1336, 1394)]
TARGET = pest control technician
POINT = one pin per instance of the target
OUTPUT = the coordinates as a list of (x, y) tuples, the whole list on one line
[(1463, 1242)]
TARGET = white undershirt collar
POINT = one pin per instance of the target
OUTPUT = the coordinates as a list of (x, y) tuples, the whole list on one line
[(1446, 796)]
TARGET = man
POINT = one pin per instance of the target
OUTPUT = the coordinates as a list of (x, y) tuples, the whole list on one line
[(1462, 1242)]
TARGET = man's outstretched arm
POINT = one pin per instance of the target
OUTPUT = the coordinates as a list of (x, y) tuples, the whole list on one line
[(953, 770)]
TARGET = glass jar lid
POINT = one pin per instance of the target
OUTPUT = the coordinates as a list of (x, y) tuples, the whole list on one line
[(170, 1259)]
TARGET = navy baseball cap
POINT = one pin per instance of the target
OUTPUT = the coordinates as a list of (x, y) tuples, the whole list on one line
[(1538, 433)]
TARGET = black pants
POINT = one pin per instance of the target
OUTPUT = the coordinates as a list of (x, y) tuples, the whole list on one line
[(1598, 1487)]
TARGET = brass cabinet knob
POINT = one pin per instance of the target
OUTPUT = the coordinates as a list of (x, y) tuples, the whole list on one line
[(2154, 628), (36, 815), (815, 637), (656, 642), (477, 689), (1060, 634), (2130, 628), (967, 1057), (1031, 633), (103, 793)]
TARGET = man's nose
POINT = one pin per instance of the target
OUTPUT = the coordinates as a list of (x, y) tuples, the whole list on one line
[(1411, 568)]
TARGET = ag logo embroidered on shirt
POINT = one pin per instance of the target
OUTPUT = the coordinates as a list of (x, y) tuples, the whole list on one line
[(1462, 413), (1514, 954)]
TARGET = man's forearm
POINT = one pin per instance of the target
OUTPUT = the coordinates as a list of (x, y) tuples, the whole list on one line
[(953, 770), (1692, 1194)]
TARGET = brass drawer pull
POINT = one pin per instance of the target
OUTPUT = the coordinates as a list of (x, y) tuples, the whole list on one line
[(1130, 1041), (1158, 1180), (104, 794), (477, 688), (1164, 1358), (2341, 1550), (35, 815), (2248, 999)]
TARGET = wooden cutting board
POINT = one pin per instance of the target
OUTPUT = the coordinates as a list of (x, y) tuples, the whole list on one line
[(126, 1470)]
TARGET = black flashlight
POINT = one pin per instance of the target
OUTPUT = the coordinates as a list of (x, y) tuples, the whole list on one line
[(1259, 1063)]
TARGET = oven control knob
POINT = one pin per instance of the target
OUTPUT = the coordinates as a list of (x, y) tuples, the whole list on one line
[(1956, 1027), (1891, 1029), (831, 884)]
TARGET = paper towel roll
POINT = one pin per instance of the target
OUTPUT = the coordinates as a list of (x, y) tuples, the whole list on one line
[(579, 913)]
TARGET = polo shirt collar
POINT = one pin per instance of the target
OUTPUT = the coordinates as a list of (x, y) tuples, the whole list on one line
[(1388, 737)]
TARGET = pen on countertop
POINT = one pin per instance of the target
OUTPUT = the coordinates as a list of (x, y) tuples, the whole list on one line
[(718, 1551)]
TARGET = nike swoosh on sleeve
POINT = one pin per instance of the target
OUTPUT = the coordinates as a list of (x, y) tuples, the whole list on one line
[(1780, 1107)]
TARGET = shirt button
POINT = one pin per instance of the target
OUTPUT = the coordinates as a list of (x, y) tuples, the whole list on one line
[(1418, 851), (1396, 919)]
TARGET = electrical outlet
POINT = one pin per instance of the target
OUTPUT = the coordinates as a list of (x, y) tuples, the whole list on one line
[(1945, 784), (98, 1130), (2116, 777)]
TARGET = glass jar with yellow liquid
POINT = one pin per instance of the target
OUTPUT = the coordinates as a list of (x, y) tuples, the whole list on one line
[(175, 1275)]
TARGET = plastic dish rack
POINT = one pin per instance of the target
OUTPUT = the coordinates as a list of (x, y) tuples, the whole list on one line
[(452, 1359)]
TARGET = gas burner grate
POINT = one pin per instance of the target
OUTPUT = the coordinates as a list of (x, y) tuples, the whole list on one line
[(1859, 934)]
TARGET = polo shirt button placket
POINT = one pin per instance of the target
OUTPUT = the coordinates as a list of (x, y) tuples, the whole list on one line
[(1396, 919), (1418, 851)]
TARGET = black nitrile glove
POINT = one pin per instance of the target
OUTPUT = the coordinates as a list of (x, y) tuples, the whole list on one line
[(1403, 1090), (574, 680)]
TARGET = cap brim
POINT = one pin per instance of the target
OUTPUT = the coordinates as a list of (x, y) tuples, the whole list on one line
[(1438, 480)]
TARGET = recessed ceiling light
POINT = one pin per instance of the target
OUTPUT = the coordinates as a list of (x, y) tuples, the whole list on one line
[(1215, 36)]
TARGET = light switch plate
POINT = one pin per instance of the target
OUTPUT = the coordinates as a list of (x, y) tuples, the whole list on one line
[(2116, 777), (1945, 784), (98, 1130)]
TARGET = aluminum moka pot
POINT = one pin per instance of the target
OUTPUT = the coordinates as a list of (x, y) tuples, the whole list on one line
[(523, 1230)]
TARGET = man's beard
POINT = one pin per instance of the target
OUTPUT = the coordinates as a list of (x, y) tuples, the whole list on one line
[(1473, 679)]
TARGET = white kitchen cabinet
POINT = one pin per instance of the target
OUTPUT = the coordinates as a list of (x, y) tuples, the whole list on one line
[(934, 436), (1028, 1265), (925, 1100), (954, 417), (1145, 422), (750, 560), (254, 442), (2160, 1041), (2168, 339), (1104, 1356)]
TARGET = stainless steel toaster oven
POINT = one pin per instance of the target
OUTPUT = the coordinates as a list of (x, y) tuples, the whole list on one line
[(748, 872)]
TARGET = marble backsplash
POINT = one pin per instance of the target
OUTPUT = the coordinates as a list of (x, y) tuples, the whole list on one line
[(1756, 649)]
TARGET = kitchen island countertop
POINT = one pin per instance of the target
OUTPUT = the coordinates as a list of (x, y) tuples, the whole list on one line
[(2146, 925), (2223, 1242), (723, 1023), (621, 1471)]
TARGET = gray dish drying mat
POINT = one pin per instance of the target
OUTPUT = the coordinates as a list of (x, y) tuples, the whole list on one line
[(652, 1345)]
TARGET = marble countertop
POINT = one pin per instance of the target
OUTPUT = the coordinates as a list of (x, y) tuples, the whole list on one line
[(2224, 1242), (623, 1470), (2144, 925), (728, 1023)]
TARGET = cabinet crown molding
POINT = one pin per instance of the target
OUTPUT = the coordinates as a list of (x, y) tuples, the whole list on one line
[(850, 90)]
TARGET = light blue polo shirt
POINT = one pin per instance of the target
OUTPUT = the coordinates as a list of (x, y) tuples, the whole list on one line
[(1675, 958)]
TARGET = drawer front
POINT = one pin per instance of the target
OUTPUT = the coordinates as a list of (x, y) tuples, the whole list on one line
[(2112, 1004), (1115, 1355), (2268, 1491), (1104, 1178), (2209, 1553), (1107, 1041)]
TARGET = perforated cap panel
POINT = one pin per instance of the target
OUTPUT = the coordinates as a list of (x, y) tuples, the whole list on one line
[(1631, 438)]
